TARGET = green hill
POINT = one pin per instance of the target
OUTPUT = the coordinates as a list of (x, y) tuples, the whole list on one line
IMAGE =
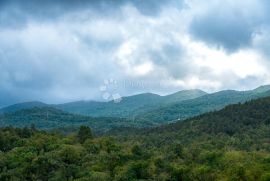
[(243, 126), (262, 89), (210, 102), (230, 144), (24, 105), (183, 95), (143, 110), (129, 106), (48, 118), (125, 108)]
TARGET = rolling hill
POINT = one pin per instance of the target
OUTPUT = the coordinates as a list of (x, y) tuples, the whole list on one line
[(24, 105), (230, 144), (242, 126), (129, 106), (143, 110), (48, 118), (200, 105)]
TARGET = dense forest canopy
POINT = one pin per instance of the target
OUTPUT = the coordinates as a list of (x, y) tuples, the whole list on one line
[(231, 144), (127, 90)]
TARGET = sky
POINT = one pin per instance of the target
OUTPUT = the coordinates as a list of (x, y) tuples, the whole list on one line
[(58, 51)]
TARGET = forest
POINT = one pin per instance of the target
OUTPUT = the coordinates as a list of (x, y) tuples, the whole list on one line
[(134, 90), (230, 144)]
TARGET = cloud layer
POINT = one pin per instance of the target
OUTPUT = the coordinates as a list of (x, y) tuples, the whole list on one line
[(59, 51)]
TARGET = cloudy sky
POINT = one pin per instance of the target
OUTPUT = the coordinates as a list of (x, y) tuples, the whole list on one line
[(64, 50)]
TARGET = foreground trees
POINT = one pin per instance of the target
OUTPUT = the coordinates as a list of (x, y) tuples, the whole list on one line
[(84, 134), (232, 144), (46, 156)]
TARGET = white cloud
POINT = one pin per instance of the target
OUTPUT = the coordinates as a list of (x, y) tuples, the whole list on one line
[(69, 57)]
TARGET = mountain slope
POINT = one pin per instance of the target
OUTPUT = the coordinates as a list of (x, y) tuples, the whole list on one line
[(184, 95), (24, 105), (243, 126), (230, 144), (147, 110), (203, 104), (48, 118), (262, 89), (129, 106)]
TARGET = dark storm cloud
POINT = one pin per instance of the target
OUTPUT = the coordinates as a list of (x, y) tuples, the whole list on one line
[(16, 13), (230, 34), (229, 25), (63, 50), (172, 57)]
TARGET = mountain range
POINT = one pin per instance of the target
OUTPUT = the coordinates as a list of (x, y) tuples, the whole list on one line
[(143, 110), (207, 103), (49, 118), (129, 106), (243, 126), (230, 144)]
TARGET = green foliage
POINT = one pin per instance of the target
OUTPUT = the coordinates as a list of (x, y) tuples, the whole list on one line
[(84, 134), (129, 106), (139, 111), (193, 107), (231, 144), (47, 118)]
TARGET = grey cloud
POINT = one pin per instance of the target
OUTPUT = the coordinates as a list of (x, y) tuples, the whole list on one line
[(16, 13), (261, 41), (59, 57), (228, 25), (45, 70), (230, 34), (172, 57), (7, 98), (153, 7)]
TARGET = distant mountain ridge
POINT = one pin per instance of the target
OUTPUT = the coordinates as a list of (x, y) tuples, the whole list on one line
[(49, 118), (261, 89), (150, 109), (203, 104), (24, 105), (146, 110), (128, 107), (241, 126)]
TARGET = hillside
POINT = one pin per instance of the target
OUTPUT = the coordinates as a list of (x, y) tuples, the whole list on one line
[(247, 124), (143, 110), (200, 105), (24, 105), (47, 118), (129, 106), (125, 108), (183, 95), (230, 144)]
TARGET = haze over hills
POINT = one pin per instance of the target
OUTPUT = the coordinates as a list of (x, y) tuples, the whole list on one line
[(240, 126), (49, 118), (24, 105), (150, 110), (203, 104), (230, 144), (83, 63), (129, 106)]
